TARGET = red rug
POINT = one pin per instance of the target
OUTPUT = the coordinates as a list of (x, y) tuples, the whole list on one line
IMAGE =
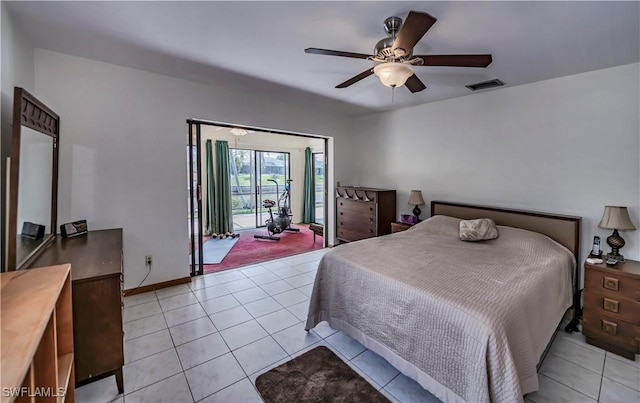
[(249, 250)]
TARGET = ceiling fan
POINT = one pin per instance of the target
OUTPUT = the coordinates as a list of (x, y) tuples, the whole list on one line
[(395, 54)]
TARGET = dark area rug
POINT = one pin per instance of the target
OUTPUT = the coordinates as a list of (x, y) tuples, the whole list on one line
[(316, 376)]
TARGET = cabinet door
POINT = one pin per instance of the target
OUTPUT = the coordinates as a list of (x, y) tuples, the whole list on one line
[(97, 327)]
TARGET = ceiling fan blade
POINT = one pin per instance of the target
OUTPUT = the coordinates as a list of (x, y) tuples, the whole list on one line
[(456, 60), (414, 84), (413, 29), (328, 52), (355, 79)]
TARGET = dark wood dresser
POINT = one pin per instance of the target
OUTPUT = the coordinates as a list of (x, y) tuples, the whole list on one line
[(364, 212), (96, 281), (611, 313)]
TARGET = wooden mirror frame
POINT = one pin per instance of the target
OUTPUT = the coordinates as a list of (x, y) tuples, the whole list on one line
[(30, 112)]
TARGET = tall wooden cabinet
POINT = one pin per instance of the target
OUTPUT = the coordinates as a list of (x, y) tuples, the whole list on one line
[(96, 278), (37, 337), (364, 212)]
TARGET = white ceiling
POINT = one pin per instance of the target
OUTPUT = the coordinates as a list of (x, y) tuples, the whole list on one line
[(262, 43)]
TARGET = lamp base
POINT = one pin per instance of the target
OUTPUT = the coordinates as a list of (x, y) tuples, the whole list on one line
[(417, 212), (616, 242)]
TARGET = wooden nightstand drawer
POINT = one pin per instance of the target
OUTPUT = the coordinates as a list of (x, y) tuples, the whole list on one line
[(612, 331), (399, 227), (612, 284), (619, 308)]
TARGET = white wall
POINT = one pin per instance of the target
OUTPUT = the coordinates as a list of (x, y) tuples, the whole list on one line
[(569, 145), (122, 156), (294, 145), (17, 67)]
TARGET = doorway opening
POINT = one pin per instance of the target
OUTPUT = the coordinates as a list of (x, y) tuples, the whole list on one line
[(231, 172)]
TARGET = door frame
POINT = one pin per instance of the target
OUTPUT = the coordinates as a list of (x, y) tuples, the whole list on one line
[(195, 201)]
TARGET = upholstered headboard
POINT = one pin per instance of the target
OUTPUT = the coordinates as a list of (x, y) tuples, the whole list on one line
[(561, 228)]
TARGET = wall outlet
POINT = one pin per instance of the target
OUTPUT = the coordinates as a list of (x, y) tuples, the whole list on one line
[(147, 260)]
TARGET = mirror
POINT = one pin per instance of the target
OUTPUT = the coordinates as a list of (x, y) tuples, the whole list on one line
[(33, 179)]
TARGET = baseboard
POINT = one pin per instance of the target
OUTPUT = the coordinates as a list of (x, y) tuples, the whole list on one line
[(157, 286)]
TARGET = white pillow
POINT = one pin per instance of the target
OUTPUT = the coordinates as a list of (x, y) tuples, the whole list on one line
[(481, 229)]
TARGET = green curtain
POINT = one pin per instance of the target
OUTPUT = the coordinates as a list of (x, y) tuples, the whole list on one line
[(211, 191), (222, 204), (309, 205)]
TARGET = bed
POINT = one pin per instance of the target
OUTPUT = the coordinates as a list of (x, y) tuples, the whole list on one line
[(469, 321)]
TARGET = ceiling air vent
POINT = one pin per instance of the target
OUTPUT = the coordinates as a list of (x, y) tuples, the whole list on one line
[(485, 84)]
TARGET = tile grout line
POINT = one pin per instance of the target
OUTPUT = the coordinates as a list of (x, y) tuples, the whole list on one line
[(576, 364), (563, 384)]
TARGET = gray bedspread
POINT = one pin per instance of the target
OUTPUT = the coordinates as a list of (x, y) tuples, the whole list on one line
[(468, 320)]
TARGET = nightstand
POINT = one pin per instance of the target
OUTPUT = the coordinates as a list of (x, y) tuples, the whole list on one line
[(399, 227), (611, 313)]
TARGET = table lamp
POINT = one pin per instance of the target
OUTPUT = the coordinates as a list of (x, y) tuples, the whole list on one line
[(415, 199), (616, 218)]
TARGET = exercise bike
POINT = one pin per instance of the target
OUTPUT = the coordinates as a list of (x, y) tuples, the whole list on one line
[(281, 222)]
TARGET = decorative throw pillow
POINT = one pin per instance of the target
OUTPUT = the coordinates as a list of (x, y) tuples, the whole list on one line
[(481, 229)]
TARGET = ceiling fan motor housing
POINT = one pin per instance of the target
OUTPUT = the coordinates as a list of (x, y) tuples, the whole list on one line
[(383, 49)]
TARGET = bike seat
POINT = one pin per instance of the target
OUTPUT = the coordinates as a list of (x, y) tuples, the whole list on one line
[(267, 203)]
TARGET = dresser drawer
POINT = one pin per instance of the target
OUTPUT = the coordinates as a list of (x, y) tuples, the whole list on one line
[(357, 207), (611, 330), (611, 285), (350, 235), (364, 227), (348, 217), (611, 305), (361, 216)]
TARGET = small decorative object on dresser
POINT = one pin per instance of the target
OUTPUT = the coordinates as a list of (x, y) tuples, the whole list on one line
[(363, 212), (611, 313), (616, 218), (415, 199), (399, 227)]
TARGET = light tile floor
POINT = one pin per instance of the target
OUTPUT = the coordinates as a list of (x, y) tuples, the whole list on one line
[(209, 340)]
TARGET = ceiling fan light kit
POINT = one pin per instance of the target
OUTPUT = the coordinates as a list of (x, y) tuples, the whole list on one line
[(393, 74), (395, 58)]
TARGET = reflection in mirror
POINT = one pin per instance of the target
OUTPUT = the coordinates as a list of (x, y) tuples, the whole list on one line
[(34, 188)]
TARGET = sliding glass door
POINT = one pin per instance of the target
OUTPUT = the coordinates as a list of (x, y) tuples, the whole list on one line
[(253, 173)]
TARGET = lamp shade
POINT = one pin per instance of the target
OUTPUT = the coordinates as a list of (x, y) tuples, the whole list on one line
[(616, 217), (415, 199), (393, 74)]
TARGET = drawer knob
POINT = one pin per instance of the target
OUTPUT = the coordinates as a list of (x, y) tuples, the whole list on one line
[(370, 208), (609, 327), (341, 213), (610, 305), (610, 283)]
